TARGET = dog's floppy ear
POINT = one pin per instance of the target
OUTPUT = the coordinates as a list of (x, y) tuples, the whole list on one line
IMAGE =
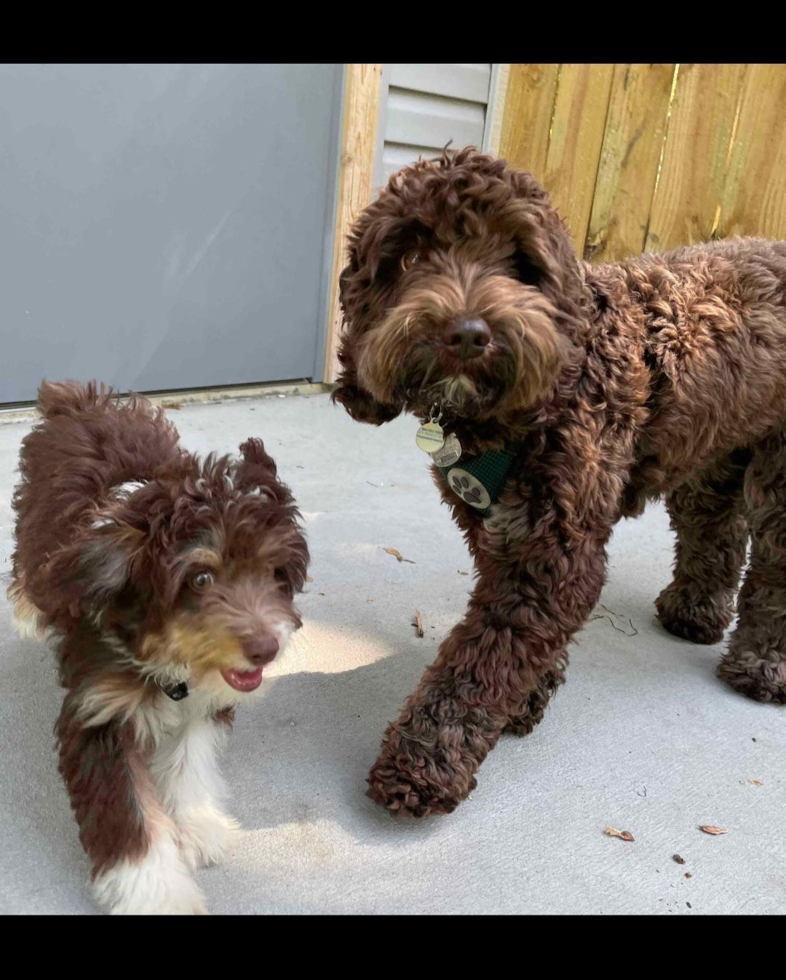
[(95, 566), (548, 257), (255, 473), (361, 405), (255, 465)]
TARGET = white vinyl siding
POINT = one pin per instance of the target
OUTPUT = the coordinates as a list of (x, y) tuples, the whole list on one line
[(427, 106)]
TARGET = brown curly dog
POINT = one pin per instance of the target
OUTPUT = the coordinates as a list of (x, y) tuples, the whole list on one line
[(584, 392)]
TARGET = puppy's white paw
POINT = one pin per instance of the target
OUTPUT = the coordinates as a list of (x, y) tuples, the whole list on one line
[(206, 835), (158, 884)]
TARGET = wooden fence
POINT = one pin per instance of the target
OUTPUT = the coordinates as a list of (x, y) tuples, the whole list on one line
[(652, 156)]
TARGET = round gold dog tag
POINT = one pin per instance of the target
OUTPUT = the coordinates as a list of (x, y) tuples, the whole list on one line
[(430, 437)]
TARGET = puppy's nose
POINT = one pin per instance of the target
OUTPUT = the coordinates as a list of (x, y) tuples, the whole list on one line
[(466, 339), (260, 649)]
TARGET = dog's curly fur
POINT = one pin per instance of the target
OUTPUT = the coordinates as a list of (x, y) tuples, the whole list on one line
[(660, 376), (152, 569)]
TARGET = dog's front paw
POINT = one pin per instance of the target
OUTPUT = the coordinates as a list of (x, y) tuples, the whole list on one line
[(757, 677), (700, 620), (206, 835), (157, 884), (416, 780)]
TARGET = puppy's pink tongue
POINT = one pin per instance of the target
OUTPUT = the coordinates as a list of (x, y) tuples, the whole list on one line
[(243, 680)]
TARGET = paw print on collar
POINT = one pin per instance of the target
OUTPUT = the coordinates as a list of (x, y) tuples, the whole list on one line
[(470, 489)]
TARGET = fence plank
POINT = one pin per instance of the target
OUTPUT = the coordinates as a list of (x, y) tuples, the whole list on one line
[(529, 104), (754, 196), (632, 143), (688, 195), (577, 128)]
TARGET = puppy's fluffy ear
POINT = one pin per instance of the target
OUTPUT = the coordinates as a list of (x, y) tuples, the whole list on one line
[(255, 473), (95, 567), (361, 405), (255, 462)]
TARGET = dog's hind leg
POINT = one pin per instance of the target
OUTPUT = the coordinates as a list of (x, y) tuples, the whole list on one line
[(133, 846), (755, 663), (186, 772), (707, 514)]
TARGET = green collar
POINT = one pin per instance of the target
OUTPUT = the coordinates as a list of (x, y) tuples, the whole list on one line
[(479, 480)]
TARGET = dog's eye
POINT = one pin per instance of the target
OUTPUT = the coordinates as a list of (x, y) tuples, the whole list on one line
[(410, 258), (525, 270), (284, 581), (200, 581)]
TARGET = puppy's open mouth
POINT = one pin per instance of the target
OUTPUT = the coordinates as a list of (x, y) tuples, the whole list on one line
[(243, 680)]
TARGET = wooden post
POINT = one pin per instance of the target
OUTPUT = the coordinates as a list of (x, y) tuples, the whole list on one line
[(362, 89)]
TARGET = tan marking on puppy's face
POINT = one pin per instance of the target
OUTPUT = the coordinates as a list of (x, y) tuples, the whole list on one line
[(200, 557), (209, 587), (225, 609), (188, 641)]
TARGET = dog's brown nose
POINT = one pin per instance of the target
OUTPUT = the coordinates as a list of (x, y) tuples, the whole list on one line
[(466, 339), (260, 649)]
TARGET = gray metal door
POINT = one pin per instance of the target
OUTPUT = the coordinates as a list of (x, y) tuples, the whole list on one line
[(165, 226)]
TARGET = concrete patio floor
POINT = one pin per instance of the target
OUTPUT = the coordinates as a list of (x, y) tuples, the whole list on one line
[(642, 737)]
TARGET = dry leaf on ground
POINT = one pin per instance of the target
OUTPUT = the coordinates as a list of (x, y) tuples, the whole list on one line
[(755, 782), (397, 555), (688, 874), (709, 829), (418, 623), (622, 834), (309, 579)]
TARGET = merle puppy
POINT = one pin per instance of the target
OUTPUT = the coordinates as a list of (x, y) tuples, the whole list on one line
[(168, 583), (556, 398)]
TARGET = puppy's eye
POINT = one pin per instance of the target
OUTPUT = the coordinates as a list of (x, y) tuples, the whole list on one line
[(410, 258), (201, 581)]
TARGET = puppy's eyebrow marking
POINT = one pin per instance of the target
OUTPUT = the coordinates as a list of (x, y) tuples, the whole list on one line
[(202, 556)]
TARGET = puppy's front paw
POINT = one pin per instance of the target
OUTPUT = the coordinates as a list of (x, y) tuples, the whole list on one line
[(206, 835), (157, 884), (412, 779)]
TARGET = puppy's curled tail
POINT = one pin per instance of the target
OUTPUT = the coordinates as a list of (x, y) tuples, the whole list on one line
[(70, 398)]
